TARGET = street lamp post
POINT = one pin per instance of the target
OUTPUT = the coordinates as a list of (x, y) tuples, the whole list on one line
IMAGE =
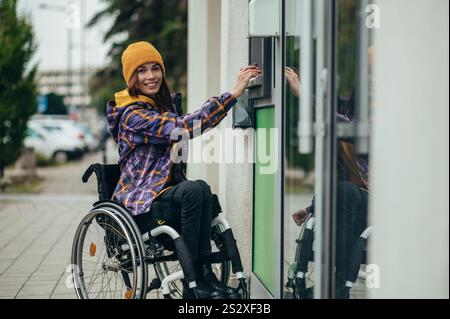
[(83, 76)]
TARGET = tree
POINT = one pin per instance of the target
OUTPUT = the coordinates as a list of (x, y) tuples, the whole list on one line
[(17, 86), (347, 49), (161, 22)]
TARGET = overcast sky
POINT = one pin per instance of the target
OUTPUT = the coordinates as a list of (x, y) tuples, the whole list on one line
[(51, 34)]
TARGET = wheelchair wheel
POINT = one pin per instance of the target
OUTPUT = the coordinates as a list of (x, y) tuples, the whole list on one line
[(107, 257), (222, 270)]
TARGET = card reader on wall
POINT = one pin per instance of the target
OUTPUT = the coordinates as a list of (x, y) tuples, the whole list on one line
[(264, 25), (259, 87), (261, 54)]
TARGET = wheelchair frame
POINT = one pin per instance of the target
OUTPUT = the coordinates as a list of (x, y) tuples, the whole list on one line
[(144, 249), (299, 269)]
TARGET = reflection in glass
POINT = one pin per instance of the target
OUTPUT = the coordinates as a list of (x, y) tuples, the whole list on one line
[(299, 168), (352, 184), (351, 180)]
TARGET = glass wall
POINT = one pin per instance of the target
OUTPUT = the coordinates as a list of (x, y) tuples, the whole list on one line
[(328, 58), (299, 173), (352, 104)]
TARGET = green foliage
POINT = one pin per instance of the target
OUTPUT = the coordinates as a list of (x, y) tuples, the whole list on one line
[(347, 46), (163, 23), (17, 86)]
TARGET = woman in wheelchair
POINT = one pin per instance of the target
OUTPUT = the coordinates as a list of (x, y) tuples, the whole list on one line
[(147, 127), (351, 219), (352, 197), (193, 200), (351, 223)]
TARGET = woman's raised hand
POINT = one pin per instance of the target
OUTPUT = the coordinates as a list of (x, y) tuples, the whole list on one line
[(293, 81), (244, 76)]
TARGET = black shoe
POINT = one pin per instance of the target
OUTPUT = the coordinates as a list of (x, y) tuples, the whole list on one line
[(343, 293), (309, 293), (203, 290), (217, 285)]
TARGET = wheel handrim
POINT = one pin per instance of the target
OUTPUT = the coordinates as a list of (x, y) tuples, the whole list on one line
[(100, 272)]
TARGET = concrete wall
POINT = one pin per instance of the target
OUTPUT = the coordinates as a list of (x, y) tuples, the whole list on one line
[(409, 205), (203, 72), (217, 49), (236, 180)]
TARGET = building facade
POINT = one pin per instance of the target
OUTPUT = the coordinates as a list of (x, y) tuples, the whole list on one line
[(73, 86), (345, 83)]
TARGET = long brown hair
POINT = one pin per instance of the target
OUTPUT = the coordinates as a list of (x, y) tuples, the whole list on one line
[(347, 151), (163, 98)]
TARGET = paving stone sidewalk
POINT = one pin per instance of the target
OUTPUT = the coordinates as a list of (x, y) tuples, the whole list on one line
[(37, 230), (35, 240)]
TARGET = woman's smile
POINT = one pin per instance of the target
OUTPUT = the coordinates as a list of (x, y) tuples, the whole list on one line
[(151, 85), (149, 78)]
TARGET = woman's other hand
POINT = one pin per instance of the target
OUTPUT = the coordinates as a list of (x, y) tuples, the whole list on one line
[(300, 216), (244, 76)]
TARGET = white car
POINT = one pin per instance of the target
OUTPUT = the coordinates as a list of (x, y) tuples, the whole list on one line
[(91, 140), (62, 127), (52, 146)]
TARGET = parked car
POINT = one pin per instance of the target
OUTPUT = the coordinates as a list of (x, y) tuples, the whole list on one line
[(91, 140), (62, 127), (51, 145)]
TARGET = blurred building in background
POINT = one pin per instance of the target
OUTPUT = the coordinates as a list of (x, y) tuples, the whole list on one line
[(73, 87)]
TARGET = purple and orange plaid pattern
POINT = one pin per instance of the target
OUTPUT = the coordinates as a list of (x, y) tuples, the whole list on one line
[(144, 140)]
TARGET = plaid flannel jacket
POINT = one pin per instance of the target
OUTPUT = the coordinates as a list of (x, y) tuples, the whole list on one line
[(144, 140)]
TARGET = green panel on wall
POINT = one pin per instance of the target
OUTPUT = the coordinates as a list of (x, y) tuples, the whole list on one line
[(264, 208)]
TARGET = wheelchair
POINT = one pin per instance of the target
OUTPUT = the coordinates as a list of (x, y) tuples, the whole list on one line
[(111, 258), (300, 271)]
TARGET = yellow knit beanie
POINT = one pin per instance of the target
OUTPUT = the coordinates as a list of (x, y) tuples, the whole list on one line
[(137, 54)]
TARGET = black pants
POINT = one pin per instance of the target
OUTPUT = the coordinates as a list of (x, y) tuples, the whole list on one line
[(351, 222), (193, 220)]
